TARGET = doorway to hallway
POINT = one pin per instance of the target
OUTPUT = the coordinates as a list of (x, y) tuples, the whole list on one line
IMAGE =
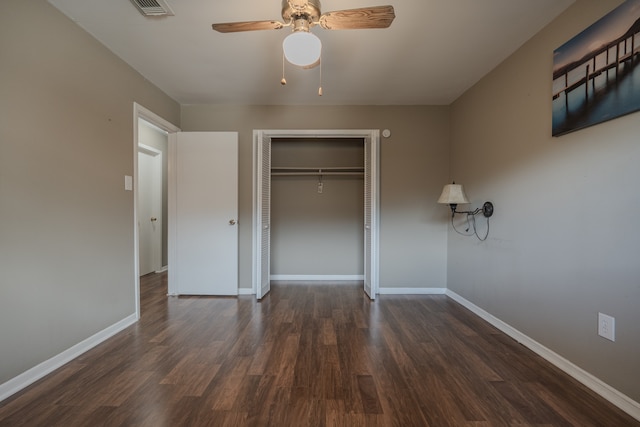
[(151, 139)]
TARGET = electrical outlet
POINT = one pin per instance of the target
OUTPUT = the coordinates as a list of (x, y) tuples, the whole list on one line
[(607, 326)]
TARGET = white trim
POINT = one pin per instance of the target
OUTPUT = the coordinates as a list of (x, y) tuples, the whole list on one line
[(318, 133), (317, 277), (154, 119), (413, 291), (245, 291), (27, 378), (617, 398), (171, 211), (140, 112), (255, 267), (162, 269), (149, 150)]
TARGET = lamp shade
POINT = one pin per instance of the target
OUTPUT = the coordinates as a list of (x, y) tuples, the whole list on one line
[(453, 194), (302, 48)]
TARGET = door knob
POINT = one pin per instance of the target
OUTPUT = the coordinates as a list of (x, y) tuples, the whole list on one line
[(232, 222), (154, 219)]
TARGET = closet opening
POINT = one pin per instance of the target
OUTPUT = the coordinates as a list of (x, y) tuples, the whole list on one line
[(317, 209)]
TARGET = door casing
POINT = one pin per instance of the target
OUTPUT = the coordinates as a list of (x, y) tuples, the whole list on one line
[(140, 112)]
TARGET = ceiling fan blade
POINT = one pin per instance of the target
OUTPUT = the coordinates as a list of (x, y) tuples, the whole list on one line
[(234, 27), (350, 19)]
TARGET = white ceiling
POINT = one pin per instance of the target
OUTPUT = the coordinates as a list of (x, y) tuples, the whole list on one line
[(433, 51)]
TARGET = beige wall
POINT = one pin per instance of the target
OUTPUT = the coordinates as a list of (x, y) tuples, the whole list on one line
[(414, 165), (564, 240), (66, 222)]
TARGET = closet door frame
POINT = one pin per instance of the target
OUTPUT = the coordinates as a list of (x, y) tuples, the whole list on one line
[(260, 221)]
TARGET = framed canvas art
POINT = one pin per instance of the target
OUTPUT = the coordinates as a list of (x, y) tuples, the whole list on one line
[(596, 76)]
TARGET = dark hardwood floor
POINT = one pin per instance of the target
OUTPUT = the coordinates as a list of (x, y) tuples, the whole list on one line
[(307, 355)]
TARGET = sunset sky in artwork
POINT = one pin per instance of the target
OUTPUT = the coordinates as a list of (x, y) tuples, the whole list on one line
[(610, 27)]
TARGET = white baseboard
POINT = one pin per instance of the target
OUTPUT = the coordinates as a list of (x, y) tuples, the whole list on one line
[(162, 269), (412, 291), (27, 378), (241, 291), (316, 278), (617, 398)]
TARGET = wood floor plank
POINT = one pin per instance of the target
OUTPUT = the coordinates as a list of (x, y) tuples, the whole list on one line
[(191, 376), (230, 384), (119, 389), (286, 371), (308, 354), (369, 393)]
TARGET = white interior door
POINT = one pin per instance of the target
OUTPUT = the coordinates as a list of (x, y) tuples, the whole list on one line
[(205, 198), (149, 209)]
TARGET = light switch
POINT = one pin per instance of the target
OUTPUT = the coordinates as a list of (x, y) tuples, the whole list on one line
[(128, 183)]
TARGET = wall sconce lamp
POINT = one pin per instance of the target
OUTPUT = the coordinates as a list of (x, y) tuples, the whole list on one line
[(453, 195)]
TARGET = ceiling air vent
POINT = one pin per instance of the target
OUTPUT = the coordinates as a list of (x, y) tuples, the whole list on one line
[(153, 7)]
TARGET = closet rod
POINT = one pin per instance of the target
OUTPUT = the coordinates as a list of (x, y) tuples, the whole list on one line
[(316, 173), (308, 171), (332, 168)]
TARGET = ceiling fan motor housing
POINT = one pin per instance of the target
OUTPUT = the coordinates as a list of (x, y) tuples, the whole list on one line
[(308, 10)]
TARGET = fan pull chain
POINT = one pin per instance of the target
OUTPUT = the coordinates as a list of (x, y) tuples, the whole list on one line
[(320, 87), (283, 81)]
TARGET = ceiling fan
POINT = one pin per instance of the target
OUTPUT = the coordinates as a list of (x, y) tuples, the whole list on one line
[(302, 15)]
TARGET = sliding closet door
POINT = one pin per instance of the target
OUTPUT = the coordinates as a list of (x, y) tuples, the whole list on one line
[(262, 216)]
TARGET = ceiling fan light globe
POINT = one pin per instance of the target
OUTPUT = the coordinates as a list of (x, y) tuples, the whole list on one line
[(302, 48)]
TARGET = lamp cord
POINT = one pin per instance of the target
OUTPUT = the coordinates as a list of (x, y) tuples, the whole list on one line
[(471, 224)]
